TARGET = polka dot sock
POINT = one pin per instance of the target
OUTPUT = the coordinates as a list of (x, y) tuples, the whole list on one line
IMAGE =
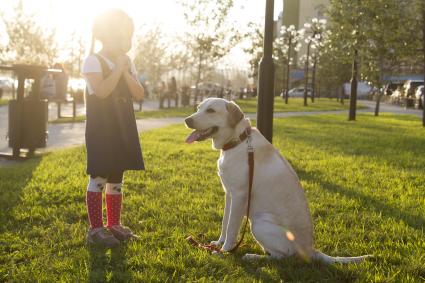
[(113, 204), (94, 209)]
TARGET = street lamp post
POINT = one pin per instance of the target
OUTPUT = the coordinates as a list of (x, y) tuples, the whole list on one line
[(266, 78)]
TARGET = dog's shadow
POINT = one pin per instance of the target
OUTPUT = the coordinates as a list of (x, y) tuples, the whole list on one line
[(108, 265), (293, 269)]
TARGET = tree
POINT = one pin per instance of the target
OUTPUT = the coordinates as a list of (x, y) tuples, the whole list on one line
[(347, 35), (151, 54), (289, 40), (211, 36), (255, 49), (28, 42), (384, 41), (314, 31), (76, 50)]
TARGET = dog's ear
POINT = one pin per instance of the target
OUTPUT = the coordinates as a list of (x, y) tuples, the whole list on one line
[(235, 113)]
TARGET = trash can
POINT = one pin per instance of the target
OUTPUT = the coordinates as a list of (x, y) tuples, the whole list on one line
[(28, 115), (27, 124)]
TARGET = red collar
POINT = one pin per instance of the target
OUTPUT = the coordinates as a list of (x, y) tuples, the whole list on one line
[(235, 142)]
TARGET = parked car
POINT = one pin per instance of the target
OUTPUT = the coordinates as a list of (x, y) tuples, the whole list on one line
[(410, 87), (419, 95), (208, 89), (297, 92), (397, 95), (391, 87), (6, 84), (363, 89)]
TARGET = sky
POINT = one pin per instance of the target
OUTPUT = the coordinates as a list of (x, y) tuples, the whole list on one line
[(77, 15)]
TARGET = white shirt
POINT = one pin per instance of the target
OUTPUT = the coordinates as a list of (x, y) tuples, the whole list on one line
[(92, 65)]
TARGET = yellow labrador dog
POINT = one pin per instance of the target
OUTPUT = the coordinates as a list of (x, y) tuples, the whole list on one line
[(279, 214)]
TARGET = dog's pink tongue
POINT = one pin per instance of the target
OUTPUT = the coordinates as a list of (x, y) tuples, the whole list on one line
[(192, 137)]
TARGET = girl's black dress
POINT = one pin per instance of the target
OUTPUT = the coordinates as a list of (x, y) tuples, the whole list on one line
[(112, 140)]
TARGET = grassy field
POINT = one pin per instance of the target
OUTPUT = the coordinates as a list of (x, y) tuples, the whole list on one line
[(364, 181), (247, 105), (3, 102)]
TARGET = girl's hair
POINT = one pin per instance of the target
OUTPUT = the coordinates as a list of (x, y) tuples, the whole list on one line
[(109, 23)]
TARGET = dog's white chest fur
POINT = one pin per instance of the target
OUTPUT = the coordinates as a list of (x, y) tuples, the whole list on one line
[(233, 168)]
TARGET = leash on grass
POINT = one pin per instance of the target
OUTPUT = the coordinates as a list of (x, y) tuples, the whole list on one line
[(211, 247)]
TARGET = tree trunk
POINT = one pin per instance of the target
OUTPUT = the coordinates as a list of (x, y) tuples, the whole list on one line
[(381, 77), (313, 79), (423, 50), (378, 102), (288, 70), (198, 80), (306, 73), (353, 92)]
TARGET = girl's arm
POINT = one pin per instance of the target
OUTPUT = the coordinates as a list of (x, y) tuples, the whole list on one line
[(104, 87), (136, 89)]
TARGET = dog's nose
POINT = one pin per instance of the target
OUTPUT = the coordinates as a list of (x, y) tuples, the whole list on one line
[(189, 122)]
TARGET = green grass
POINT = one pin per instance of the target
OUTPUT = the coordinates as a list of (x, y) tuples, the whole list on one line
[(3, 102), (247, 105), (296, 104), (364, 182), (77, 119)]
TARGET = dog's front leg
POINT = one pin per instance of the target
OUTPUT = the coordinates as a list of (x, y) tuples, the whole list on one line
[(225, 221), (237, 212)]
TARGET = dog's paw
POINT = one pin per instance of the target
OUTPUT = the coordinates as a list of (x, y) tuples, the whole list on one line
[(217, 243), (227, 247)]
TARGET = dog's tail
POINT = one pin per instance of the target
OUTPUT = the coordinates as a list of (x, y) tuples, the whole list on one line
[(317, 255)]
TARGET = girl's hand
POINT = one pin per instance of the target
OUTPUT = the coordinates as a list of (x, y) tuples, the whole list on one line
[(123, 63)]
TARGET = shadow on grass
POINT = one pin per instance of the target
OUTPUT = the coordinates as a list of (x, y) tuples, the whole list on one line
[(13, 179), (293, 269), (108, 265), (368, 202)]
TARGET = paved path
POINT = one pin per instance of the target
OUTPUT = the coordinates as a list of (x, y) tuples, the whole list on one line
[(72, 134)]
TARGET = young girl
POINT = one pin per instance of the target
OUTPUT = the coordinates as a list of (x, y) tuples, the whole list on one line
[(112, 140)]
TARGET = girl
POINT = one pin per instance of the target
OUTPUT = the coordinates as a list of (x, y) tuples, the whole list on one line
[(112, 140)]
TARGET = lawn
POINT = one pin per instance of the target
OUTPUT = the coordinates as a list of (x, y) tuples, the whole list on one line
[(3, 102), (247, 105), (364, 181)]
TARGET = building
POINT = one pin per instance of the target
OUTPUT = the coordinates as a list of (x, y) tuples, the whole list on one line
[(299, 12)]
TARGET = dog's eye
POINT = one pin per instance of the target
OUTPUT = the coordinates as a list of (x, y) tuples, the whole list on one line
[(210, 110)]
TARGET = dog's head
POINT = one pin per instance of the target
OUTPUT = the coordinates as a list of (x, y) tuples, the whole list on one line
[(216, 118)]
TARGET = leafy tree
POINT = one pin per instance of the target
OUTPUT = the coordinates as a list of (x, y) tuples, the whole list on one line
[(255, 49), (151, 54), (288, 41), (211, 36), (28, 42), (313, 31)]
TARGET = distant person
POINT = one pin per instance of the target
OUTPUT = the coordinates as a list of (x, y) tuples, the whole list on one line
[(61, 82), (185, 97), (145, 85), (162, 91), (112, 140), (172, 89), (48, 87)]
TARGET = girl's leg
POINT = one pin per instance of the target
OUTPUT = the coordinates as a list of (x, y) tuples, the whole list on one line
[(94, 201), (114, 199)]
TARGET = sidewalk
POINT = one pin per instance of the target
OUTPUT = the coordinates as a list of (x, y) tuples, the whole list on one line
[(72, 134)]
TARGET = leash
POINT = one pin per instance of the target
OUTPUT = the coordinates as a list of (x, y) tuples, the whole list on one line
[(213, 248)]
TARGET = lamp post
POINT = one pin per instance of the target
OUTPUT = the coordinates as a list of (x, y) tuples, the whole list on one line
[(266, 78)]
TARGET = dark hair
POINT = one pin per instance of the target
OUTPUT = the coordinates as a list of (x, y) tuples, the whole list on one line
[(109, 23)]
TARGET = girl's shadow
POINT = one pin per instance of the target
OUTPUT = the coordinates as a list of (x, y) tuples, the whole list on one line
[(108, 265)]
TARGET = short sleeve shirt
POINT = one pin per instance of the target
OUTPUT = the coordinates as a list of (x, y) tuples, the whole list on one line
[(92, 65)]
